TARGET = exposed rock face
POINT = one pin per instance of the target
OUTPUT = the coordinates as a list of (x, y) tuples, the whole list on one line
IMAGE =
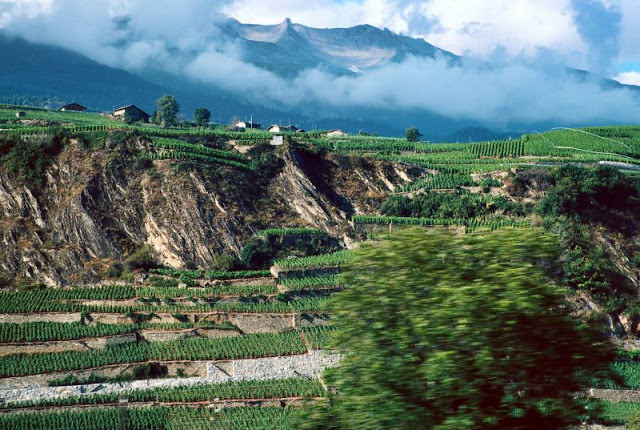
[(98, 206)]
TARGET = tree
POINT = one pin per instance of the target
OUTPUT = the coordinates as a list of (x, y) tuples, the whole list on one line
[(412, 134), (444, 331), (168, 109), (202, 116)]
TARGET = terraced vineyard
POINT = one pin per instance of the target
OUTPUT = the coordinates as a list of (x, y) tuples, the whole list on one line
[(195, 339), (177, 349)]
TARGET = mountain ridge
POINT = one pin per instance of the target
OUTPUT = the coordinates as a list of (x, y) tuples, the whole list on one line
[(286, 53)]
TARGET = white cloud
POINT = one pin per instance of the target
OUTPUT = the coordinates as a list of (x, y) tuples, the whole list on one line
[(629, 78), (469, 27), (630, 30), (184, 38), (521, 27), (10, 9)]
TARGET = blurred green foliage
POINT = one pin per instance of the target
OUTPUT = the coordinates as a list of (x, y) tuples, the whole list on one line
[(445, 331)]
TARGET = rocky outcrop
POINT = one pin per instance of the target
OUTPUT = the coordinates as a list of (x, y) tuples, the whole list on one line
[(96, 207)]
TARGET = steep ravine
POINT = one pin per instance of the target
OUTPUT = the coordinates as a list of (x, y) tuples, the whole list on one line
[(98, 206)]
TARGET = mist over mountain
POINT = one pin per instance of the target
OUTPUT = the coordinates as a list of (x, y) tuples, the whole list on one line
[(360, 78)]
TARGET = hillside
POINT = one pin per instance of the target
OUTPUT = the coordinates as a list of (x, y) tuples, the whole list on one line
[(56, 76), (190, 270)]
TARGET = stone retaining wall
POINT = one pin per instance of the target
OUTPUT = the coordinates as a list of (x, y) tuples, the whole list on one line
[(306, 365)]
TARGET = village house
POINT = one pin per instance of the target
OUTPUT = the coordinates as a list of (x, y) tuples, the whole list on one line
[(133, 112), (73, 107), (284, 128), (20, 114), (244, 125), (336, 133)]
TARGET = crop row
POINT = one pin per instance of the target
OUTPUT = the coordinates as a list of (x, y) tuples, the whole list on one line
[(22, 303), (471, 225), (504, 148), (440, 181), (45, 331), (48, 331), (250, 136), (315, 261), (212, 275), (290, 231), (376, 219), (156, 418), (247, 346), (162, 143), (318, 336), (307, 304), (495, 224), (174, 292), (52, 299), (612, 413), (184, 155), (310, 282)]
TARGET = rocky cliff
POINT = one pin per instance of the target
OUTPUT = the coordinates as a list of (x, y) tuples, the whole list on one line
[(94, 207)]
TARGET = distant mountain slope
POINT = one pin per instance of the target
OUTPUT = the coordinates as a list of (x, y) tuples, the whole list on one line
[(41, 71), (288, 48), (49, 76)]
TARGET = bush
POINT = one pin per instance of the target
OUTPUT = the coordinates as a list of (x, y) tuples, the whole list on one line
[(141, 259), (446, 331), (30, 159), (598, 195), (460, 204), (525, 180)]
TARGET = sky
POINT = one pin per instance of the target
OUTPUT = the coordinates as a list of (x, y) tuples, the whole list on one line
[(184, 38)]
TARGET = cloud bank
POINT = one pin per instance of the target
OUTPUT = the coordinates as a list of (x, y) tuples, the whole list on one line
[(187, 39)]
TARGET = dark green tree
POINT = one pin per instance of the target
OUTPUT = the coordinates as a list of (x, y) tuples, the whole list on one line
[(412, 134), (202, 116), (167, 110), (444, 331)]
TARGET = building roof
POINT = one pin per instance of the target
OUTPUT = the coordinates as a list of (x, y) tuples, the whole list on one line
[(131, 107), (73, 106)]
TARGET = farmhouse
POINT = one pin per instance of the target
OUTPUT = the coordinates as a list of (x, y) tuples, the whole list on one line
[(282, 128), (244, 125), (73, 107), (336, 133), (20, 114), (134, 113)]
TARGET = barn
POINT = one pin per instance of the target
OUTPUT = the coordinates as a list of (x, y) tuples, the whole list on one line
[(133, 112)]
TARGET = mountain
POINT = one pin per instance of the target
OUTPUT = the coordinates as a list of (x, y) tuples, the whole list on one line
[(266, 63), (57, 76), (50, 76), (288, 49)]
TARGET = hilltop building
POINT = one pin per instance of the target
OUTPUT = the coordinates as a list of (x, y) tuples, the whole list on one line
[(244, 125), (336, 133), (284, 128), (134, 112), (73, 107)]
